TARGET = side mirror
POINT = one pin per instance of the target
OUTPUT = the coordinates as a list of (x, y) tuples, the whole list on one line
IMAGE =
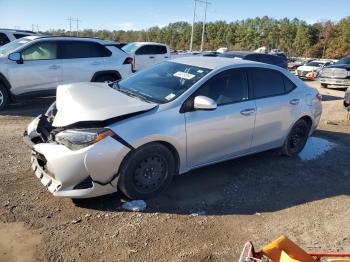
[(16, 57), (204, 103)]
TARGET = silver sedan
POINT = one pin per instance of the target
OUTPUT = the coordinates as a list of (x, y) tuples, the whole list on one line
[(136, 135)]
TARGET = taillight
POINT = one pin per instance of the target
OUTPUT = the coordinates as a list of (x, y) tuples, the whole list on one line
[(128, 60), (319, 97)]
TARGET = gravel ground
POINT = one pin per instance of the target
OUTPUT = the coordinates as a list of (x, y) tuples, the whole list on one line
[(206, 215)]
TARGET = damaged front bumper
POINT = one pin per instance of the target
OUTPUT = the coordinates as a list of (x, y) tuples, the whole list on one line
[(88, 172)]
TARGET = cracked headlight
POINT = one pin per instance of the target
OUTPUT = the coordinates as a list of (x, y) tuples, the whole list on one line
[(79, 138)]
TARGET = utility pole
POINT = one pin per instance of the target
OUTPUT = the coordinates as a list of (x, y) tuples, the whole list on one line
[(70, 19), (193, 21), (194, 17), (203, 29), (70, 25), (35, 26), (78, 25)]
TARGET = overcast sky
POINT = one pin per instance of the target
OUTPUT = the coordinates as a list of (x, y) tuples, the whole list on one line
[(142, 14)]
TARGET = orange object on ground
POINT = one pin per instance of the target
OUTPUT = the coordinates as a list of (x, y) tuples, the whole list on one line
[(312, 76), (283, 248)]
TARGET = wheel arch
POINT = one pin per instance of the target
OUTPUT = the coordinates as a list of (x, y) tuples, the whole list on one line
[(168, 145), (106, 72)]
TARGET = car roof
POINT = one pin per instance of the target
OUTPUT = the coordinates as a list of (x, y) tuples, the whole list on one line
[(212, 62), (74, 38), (17, 31), (148, 43)]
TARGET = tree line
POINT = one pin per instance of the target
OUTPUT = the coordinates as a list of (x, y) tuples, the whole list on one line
[(296, 37)]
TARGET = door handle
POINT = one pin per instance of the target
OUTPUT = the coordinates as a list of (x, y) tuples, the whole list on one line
[(294, 101), (166, 56), (54, 67), (152, 57), (248, 112)]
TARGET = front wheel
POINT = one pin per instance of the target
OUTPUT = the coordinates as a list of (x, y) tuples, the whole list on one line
[(147, 171), (296, 138), (4, 97), (324, 85), (106, 78)]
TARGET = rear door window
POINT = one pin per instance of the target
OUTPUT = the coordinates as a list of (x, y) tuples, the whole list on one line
[(266, 82), (82, 49), (145, 50), (3, 39), (159, 49)]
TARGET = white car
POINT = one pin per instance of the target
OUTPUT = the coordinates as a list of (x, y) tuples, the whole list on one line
[(311, 69), (36, 65), (9, 35), (147, 54), (167, 119)]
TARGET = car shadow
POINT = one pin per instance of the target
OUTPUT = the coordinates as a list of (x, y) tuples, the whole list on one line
[(331, 98), (263, 182), (28, 107)]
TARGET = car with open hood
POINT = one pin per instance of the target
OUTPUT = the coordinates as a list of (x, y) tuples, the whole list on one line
[(137, 134)]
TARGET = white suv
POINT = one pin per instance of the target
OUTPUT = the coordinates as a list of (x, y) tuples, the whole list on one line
[(147, 54), (36, 65), (8, 35)]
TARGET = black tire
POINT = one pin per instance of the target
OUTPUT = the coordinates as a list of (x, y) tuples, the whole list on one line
[(324, 85), (106, 78), (4, 97), (296, 138), (147, 171)]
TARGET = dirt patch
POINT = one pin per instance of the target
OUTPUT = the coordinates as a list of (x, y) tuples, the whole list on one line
[(17, 243)]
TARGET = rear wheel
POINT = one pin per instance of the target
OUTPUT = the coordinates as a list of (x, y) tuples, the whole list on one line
[(324, 85), (147, 171), (106, 78), (296, 139), (4, 97)]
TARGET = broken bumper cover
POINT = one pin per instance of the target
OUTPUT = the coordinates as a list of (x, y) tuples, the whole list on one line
[(87, 172)]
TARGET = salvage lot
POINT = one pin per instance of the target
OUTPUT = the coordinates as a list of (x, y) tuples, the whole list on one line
[(206, 215)]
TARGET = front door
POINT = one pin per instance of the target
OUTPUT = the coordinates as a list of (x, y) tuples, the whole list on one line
[(226, 131), (41, 70)]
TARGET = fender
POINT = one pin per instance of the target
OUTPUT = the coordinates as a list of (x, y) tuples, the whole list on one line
[(4, 80), (106, 72)]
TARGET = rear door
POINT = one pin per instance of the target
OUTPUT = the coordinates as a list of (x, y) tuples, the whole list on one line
[(40, 71), (149, 55), (214, 135), (277, 101), (82, 59)]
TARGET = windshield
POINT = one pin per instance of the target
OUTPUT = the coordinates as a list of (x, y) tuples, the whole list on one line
[(12, 46), (344, 61), (164, 82), (317, 64), (129, 48)]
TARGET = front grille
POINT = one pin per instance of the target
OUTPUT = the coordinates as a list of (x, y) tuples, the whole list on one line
[(334, 73)]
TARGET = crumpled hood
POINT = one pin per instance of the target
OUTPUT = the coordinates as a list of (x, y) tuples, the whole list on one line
[(81, 102)]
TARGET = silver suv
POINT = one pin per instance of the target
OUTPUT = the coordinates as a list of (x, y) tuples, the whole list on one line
[(166, 120), (9, 35), (36, 65)]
